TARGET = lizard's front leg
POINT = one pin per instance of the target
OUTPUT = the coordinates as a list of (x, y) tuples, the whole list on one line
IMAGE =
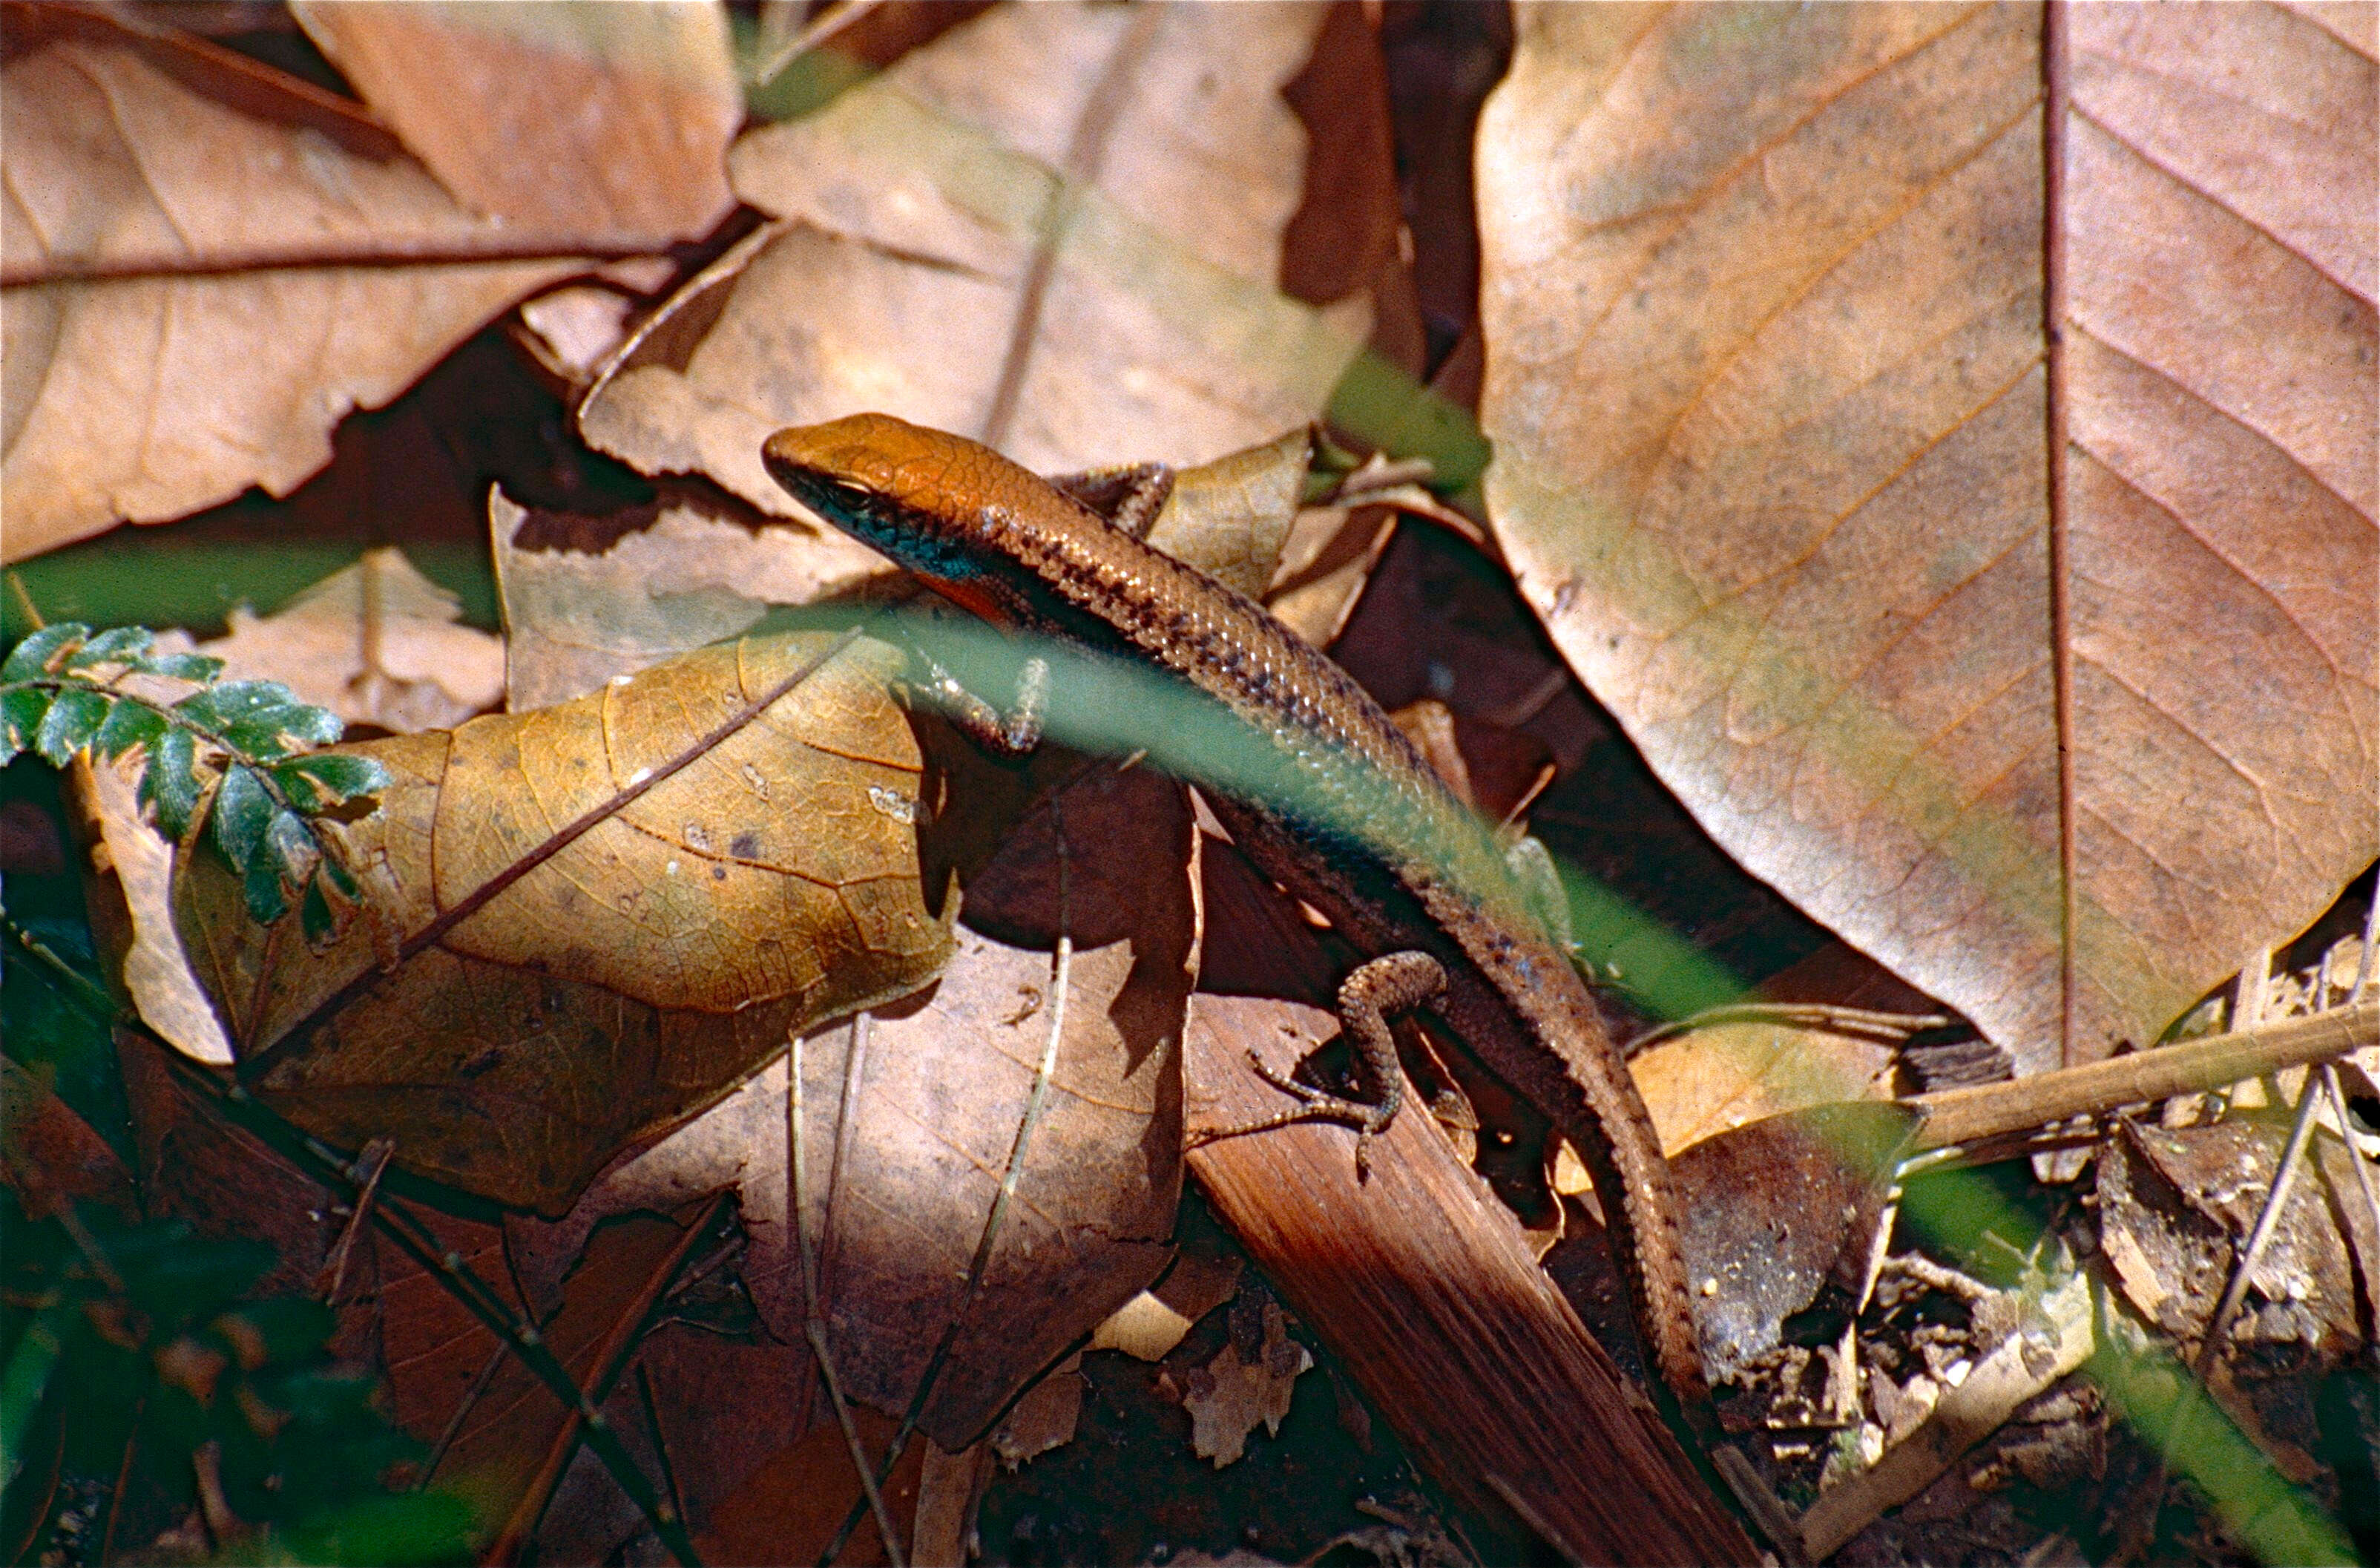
[(1013, 733)]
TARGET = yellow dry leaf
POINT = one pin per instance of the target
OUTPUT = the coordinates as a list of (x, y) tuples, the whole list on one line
[(635, 977)]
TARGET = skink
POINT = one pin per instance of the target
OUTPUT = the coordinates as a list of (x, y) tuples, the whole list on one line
[(1368, 833)]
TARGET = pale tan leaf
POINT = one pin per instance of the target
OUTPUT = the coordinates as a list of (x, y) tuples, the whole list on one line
[(156, 970), (1229, 517), (1772, 401), (906, 271), (572, 620), (560, 117), (145, 398), (376, 643), (1705, 1081)]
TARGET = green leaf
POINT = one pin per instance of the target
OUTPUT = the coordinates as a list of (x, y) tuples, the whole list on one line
[(170, 783), (219, 707), (267, 899), (117, 645), (74, 717), (275, 732), (331, 777), (261, 720), (242, 811), (131, 724), (32, 656), (182, 666), (21, 712), (341, 881)]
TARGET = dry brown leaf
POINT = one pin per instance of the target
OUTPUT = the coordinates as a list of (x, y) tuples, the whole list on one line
[(789, 1509), (903, 1162), (376, 643), (1772, 404), (646, 969), (145, 398), (693, 576), (1231, 1395), (904, 273), (1700, 1084), (561, 117), (1044, 1418)]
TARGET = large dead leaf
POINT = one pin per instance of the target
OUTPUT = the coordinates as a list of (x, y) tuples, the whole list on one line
[(1776, 416), (567, 117), (133, 393), (909, 1126), (1057, 228), (635, 977)]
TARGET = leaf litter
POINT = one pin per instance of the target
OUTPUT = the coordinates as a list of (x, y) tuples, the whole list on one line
[(1834, 1380)]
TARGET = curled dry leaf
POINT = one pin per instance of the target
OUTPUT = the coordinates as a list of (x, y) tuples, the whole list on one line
[(642, 972), (2044, 674), (563, 118), (142, 397), (908, 1124), (1056, 228), (144, 941)]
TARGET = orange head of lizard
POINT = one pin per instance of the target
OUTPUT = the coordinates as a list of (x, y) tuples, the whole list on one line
[(937, 504)]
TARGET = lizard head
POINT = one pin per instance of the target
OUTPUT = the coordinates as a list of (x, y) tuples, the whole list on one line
[(939, 504)]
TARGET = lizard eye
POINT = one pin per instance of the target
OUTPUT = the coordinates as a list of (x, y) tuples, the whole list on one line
[(853, 490)]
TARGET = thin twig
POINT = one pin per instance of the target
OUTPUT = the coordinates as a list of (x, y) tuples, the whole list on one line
[(661, 1443), (846, 1134), (2284, 1176), (1071, 184), (2355, 1160), (814, 1311), (377, 250), (815, 1331), (815, 35), (368, 1168), (480, 1381), (1964, 1116), (87, 993)]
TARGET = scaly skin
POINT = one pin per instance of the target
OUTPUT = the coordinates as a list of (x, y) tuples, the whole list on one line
[(1373, 839)]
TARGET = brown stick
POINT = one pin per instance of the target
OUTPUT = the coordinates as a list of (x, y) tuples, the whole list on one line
[(1968, 1116), (1423, 1284)]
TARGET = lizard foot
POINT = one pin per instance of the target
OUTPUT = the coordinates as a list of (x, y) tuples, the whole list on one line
[(1315, 1105)]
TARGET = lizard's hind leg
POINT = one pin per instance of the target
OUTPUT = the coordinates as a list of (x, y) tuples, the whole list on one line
[(1395, 982)]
